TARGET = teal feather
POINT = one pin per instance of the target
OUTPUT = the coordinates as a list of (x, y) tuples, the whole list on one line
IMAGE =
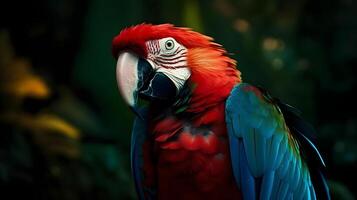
[(249, 141), (235, 146), (249, 182), (284, 187), (276, 185), (291, 171), (281, 154), (260, 145), (297, 175), (307, 194), (273, 156), (312, 192), (271, 153), (284, 165), (236, 126), (300, 191), (267, 185), (268, 127)]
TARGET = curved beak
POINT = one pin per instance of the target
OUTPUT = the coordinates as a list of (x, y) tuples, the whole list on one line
[(135, 76)]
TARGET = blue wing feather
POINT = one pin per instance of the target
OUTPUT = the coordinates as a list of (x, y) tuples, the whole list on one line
[(248, 181), (267, 185), (267, 159), (234, 144), (138, 137)]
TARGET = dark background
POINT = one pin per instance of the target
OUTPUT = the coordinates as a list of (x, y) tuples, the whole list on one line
[(64, 130)]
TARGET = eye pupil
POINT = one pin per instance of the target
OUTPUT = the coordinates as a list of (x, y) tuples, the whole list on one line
[(169, 44)]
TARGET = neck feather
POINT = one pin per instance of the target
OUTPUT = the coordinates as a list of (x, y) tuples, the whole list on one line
[(213, 76)]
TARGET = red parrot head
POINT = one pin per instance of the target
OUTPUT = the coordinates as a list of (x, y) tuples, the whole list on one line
[(160, 62)]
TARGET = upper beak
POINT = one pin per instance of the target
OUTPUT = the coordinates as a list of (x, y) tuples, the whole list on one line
[(131, 72)]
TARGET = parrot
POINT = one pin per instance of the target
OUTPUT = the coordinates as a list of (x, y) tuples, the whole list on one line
[(200, 132)]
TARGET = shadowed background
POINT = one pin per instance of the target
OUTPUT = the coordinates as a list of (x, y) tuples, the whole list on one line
[(64, 130)]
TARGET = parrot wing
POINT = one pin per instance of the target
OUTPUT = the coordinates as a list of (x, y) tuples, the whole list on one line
[(138, 137), (272, 149)]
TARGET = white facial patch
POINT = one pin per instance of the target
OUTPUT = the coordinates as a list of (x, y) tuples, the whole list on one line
[(170, 58), (178, 75)]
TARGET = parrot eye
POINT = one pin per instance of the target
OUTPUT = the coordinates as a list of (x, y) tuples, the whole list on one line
[(169, 44)]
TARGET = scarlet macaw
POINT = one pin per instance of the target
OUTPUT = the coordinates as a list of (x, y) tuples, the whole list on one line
[(205, 134)]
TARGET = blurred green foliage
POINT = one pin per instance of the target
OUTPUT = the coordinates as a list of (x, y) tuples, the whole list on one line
[(65, 132)]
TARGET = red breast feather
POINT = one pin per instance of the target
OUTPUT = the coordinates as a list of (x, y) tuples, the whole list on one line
[(193, 157)]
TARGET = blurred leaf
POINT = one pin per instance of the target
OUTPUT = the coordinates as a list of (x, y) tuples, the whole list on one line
[(43, 123), (16, 77), (18, 81), (49, 131)]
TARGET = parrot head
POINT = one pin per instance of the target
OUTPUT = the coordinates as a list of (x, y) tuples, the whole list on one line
[(159, 62)]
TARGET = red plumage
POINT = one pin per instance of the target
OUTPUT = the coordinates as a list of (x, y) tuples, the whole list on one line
[(196, 164), (134, 37), (188, 158)]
